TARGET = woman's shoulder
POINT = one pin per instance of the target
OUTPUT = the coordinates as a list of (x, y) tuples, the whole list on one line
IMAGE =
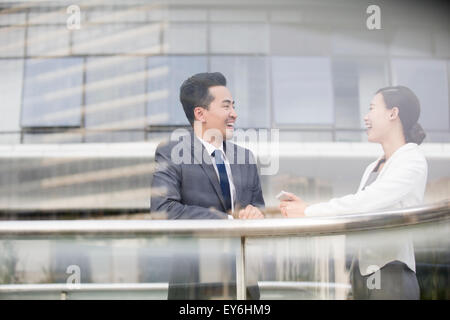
[(412, 150), (410, 154)]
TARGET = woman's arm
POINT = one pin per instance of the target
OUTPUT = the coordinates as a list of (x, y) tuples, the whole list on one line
[(399, 180)]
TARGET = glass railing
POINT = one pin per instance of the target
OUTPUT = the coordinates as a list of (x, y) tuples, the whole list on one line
[(305, 258)]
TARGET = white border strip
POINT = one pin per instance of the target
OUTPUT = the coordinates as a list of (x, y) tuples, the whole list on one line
[(147, 150)]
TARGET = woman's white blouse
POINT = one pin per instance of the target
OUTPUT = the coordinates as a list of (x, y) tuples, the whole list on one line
[(400, 184)]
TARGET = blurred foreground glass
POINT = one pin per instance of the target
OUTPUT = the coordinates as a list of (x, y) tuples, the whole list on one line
[(306, 258)]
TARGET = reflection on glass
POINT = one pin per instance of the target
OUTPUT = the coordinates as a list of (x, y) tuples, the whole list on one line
[(115, 98), (322, 267), (167, 109), (302, 90), (428, 79), (354, 84), (46, 94), (247, 79), (120, 267), (161, 267)]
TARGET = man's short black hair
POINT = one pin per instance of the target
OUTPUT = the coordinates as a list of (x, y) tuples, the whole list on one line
[(194, 92)]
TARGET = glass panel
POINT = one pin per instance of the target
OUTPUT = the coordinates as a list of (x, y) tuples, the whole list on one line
[(9, 138), (318, 178), (119, 267), (355, 82), (53, 12), (343, 266), (116, 136), (247, 79), (302, 90), (115, 98), (428, 79), (439, 137), (238, 15), (69, 136), (346, 98), (11, 82), (286, 16), (362, 43), (52, 92), (12, 40), (157, 137), (127, 14), (74, 183), (304, 135), (48, 41), (185, 15), (164, 106), (350, 136), (441, 42), (117, 38), (239, 38), (185, 38), (12, 19), (411, 42), (297, 40), (336, 266)]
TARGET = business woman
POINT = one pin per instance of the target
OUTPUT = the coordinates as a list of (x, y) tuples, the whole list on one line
[(397, 179)]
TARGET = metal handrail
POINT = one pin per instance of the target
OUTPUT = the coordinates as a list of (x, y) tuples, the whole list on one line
[(234, 228), (59, 287), (153, 286), (159, 288)]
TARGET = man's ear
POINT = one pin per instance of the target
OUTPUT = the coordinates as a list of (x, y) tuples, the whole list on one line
[(394, 113), (199, 114)]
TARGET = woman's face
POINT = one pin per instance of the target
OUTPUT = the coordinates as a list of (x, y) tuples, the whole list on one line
[(378, 119)]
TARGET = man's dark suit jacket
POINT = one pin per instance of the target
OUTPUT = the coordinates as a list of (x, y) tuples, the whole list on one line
[(191, 190)]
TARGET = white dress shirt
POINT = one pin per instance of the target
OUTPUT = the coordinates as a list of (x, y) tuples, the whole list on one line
[(400, 184), (210, 149)]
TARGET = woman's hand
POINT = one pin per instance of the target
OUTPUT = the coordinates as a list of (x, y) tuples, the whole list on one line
[(294, 207)]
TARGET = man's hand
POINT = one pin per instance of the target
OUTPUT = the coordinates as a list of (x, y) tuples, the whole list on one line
[(250, 212), (294, 207)]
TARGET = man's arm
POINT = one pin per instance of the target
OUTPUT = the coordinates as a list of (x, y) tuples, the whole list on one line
[(166, 195), (254, 209), (257, 197)]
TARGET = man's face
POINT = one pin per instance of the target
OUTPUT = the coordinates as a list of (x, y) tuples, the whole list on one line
[(221, 114)]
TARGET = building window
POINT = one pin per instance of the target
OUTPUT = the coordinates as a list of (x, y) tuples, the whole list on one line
[(166, 74), (52, 92), (247, 79), (428, 79), (302, 90)]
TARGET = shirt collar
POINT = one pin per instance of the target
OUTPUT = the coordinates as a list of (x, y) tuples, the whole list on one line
[(209, 147)]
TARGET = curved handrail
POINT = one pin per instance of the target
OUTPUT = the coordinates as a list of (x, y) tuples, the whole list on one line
[(233, 228)]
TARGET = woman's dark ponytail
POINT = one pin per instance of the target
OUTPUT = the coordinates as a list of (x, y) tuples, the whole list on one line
[(409, 111), (416, 134)]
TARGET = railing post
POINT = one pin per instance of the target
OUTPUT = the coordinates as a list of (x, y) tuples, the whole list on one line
[(241, 292)]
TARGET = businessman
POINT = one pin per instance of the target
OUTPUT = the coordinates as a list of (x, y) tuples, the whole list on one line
[(202, 175)]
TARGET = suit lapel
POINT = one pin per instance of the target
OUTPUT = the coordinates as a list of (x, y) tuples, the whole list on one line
[(198, 150), (235, 169), (236, 173)]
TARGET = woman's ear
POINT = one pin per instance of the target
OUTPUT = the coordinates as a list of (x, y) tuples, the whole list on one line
[(394, 113), (199, 114)]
